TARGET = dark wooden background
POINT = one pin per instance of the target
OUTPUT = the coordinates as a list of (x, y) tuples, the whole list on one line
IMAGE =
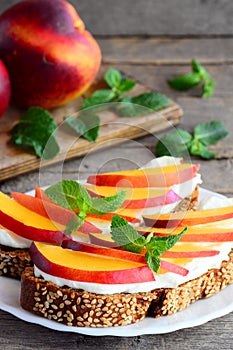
[(153, 41)]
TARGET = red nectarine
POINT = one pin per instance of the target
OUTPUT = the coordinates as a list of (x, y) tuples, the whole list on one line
[(5, 88), (50, 56)]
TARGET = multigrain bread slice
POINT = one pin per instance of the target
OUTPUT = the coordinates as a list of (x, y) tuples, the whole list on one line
[(79, 307), (170, 301), (83, 309), (13, 261)]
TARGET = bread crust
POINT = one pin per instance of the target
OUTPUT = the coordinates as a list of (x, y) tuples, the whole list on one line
[(84, 309), (81, 308), (13, 261)]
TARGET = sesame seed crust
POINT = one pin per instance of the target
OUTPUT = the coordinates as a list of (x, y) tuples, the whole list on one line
[(81, 308), (13, 261), (84, 309), (173, 300)]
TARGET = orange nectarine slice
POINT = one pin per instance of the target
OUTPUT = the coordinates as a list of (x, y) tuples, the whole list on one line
[(28, 224), (189, 217), (137, 198), (51, 210), (85, 267), (149, 177)]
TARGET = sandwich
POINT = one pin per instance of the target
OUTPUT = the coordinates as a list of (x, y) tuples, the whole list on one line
[(25, 218)]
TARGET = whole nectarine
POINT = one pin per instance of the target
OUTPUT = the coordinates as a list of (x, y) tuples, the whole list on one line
[(50, 56), (5, 88)]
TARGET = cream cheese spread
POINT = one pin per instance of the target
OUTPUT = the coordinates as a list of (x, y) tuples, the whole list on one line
[(10, 239)]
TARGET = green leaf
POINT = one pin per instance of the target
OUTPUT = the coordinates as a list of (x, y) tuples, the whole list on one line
[(126, 236), (142, 104), (69, 194), (160, 244), (157, 246), (175, 143), (185, 82), (86, 125), (126, 85), (198, 68), (198, 149), (35, 132), (199, 74), (73, 224), (151, 100), (106, 205), (153, 262), (97, 98), (113, 77), (208, 88), (210, 133)]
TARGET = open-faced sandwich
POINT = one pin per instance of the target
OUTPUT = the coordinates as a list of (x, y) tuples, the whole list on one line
[(24, 219), (108, 254)]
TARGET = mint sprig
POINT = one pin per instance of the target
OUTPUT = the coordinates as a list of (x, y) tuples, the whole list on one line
[(130, 106), (198, 76), (117, 84), (178, 142), (125, 236), (35, 132), (85, 125), (72, 195)]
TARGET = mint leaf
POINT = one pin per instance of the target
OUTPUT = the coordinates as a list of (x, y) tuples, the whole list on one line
[(198, 68), (211, 132), (208, 88), (175, 143), (97, 98), (35, 132), (199, 75), (74, 224), (109, 204), (151, 100), (113, 77), (178, 142), (86, 125), (153, 262), (160, 244), (198, 149), (142, 104), (126, 85), (69, 194), (126, 236), (185, 82)]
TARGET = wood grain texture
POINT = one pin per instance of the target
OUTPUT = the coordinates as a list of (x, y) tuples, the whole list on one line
[(153, 61), (114, 129), (155, 17)]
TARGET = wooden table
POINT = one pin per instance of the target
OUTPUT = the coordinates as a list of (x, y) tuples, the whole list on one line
[(153, 59)]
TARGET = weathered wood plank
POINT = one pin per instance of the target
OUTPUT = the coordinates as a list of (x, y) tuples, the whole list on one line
[(216, 334), (160, 51), (196, 110), (179, 17)]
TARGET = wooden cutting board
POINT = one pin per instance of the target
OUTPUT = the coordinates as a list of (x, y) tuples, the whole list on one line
[(114, 130)]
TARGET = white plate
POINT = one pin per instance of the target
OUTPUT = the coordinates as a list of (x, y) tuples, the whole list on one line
[(196, 314)]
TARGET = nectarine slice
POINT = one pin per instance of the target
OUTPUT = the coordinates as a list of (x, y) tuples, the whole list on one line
[(149, 177), (51, 211), (86, 267), (194, 233), (137, 198), (28, 224), (188, 218)]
